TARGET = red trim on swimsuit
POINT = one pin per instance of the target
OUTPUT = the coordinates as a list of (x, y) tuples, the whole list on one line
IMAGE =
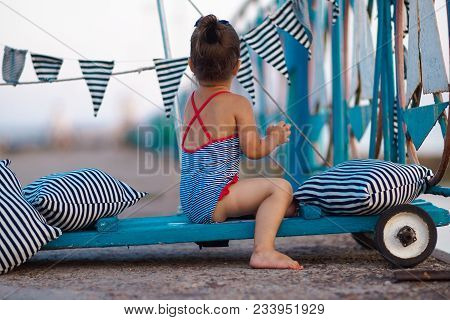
[(197, 116), (226, 190)]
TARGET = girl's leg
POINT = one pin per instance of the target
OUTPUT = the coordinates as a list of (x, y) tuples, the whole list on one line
[(270, 199)]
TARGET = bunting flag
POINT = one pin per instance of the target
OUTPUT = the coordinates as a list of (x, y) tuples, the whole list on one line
[(420, 121), (46, 67), (169, 73), (245, 73), (335, 10), (359, 118), (13, 63), (406, 26), (264, 39), (97, 74), (286, 19)]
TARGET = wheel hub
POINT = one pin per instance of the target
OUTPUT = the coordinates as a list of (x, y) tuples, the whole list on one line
[(407, 236)]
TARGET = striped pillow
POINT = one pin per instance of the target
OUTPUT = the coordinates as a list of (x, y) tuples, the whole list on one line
[(364, 187), (74, 200), (23, 231)]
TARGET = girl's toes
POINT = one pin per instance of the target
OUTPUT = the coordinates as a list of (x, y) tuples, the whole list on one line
[(295, 266)]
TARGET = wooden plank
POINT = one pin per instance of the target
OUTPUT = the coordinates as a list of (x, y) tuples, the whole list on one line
[(412, 61), (434, 76), (177, 229), (422, 275)]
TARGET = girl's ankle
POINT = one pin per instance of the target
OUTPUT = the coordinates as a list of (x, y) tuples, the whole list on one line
[(262, 249)]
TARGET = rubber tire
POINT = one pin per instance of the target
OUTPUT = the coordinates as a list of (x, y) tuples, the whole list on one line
[(400, 262), (364, 240)]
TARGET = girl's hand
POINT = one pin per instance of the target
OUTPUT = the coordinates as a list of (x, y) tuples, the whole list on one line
[(279, 133)]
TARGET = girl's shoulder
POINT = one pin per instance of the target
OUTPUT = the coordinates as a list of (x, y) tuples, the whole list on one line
[(237, 102)]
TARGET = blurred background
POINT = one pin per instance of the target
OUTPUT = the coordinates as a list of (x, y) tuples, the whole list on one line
[(46, 128)]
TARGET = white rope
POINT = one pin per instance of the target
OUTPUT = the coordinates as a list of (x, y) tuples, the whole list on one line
[(196, 8), (326, 162), (139, 70), (77, 59)]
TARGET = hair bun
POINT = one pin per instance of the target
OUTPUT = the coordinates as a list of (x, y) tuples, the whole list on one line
[(209, 28)]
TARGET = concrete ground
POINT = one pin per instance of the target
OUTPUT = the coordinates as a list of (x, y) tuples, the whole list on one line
[(335, 268)]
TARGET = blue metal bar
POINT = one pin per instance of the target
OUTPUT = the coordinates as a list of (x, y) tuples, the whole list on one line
[(390, 81), (168, 54), (385, 113), (376, 82), (399, 68), (340, 130)]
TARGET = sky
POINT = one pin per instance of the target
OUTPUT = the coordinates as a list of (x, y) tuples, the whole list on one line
[(125, 31)]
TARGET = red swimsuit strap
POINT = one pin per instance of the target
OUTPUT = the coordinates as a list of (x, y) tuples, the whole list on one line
[(197, 115)]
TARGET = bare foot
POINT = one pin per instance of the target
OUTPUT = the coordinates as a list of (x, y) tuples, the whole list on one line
[(273, 260)]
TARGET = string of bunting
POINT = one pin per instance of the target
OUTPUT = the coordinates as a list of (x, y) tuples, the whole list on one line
[(335, 10), (264, 40)]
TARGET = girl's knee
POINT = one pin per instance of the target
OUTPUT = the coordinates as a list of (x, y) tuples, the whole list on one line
[(282, 185)]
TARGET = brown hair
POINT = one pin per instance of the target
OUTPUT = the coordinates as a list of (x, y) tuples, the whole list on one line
[(215, 49)]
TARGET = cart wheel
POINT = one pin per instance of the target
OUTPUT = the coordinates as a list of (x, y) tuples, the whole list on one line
[(365, 240), (405, 235)]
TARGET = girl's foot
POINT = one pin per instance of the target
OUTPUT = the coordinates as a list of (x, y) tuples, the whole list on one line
[(273, 259)]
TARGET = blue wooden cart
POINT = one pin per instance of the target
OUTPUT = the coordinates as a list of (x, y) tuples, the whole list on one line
[(405, 235)]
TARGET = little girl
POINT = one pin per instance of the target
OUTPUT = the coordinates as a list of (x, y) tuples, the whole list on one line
[(218, 126)]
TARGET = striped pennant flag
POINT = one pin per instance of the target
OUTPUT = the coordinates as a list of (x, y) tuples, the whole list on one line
[(97, 74), (13, 64), (335, 11), (46, 67), (286, 19), (264, 39), (169, 72), (245, 73)]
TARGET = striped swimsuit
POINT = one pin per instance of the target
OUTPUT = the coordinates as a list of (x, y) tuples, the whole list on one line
[(207, 171)]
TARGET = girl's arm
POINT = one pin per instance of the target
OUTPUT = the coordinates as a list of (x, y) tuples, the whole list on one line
[(252, 144)]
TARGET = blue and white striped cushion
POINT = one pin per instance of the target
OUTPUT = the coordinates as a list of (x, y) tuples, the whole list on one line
[(74, 200), (23, 231), (364, 187)]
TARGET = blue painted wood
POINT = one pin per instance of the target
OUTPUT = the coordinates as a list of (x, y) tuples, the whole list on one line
[(421, 120), (177, 229), (317, 123), (442, 120), (310, 212), (107, 224), (300, 156), (340, 131), (359, 118), (439, 191)]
